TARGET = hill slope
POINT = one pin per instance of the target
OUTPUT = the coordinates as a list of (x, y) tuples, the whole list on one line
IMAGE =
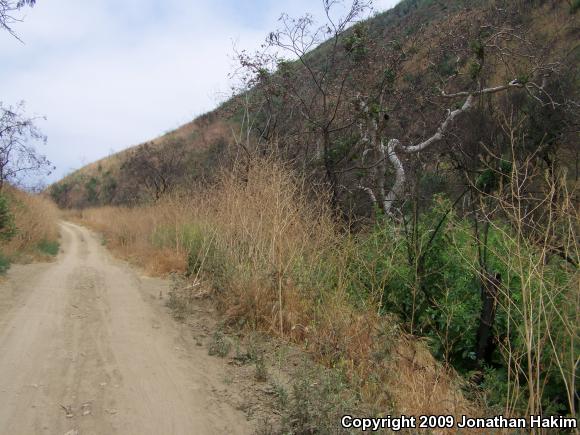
[(424, 44), (445, 133)]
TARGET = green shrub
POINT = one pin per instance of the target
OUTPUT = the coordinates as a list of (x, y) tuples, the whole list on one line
[(220, 345), (317, 401), (447, 66), (205, 256), (261, 373), (431, 281), (433, 291), (7, 226), (4, 264), (49, 247), (91, 188), (319, 273)]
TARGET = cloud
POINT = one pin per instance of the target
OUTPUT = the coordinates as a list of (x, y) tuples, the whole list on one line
[(109, 74)]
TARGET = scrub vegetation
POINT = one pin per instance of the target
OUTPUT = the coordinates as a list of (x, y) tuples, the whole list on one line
[(28, 227), (398, 194), (288, 269)]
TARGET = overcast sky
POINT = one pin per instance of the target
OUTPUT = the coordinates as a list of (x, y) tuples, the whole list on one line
[(109, 74)]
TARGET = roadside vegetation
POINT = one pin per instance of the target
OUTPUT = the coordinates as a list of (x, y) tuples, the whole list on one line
[(288, 269), (28, 227), (401, 200), (28, 222), (352, 299)]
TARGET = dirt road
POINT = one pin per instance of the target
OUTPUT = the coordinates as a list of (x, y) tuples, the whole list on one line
[(86, 348)]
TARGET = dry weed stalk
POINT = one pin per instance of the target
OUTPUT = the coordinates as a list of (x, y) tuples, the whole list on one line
[(283, 261), (36, 220), (534, 215)]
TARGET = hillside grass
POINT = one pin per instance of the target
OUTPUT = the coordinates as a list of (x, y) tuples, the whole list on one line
[(275, 260)]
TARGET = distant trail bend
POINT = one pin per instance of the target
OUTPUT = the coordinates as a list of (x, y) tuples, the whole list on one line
[(86, 348)]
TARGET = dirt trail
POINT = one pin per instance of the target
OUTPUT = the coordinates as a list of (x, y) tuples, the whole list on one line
[(84, 346)]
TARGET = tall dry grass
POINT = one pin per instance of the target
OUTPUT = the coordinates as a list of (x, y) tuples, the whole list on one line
[(540, 252), (36, 221), (276, 261)]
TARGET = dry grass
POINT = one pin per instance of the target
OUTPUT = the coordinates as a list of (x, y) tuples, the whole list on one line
[(275, 261), (36, 220)]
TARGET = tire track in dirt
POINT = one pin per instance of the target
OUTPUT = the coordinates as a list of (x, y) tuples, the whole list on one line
[(84, 349)]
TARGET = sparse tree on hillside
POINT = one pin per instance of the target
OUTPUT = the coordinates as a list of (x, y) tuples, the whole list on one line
[(305, 89), (513, 189), (155, 168), (18, 156), (530, 74)]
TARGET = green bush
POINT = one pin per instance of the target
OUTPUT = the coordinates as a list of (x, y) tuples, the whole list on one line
[(205, 256), (4, 264), (316, 274), (431, 280), (91, 188), (447, 66), (49, 247), (7, 231), (219, 345), (316, 402), (7, 226)]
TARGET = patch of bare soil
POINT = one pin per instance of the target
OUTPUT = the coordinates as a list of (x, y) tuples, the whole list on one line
[(277, 385), (88, 347)]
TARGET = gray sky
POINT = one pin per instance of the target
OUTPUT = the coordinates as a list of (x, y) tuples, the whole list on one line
[(110, 74)]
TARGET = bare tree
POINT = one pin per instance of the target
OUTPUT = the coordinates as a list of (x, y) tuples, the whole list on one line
[(387, 153), (308, 90), (157, 169), (7, 10), (18, 155)]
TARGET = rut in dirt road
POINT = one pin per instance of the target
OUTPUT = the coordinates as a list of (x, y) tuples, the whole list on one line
[(83, 348)]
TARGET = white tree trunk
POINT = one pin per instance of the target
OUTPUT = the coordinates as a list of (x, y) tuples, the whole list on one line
[(394, 145)]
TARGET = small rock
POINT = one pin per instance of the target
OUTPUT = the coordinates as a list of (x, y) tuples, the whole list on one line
[(72, 432), (267, 390), (68, 411), (86, 409)]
